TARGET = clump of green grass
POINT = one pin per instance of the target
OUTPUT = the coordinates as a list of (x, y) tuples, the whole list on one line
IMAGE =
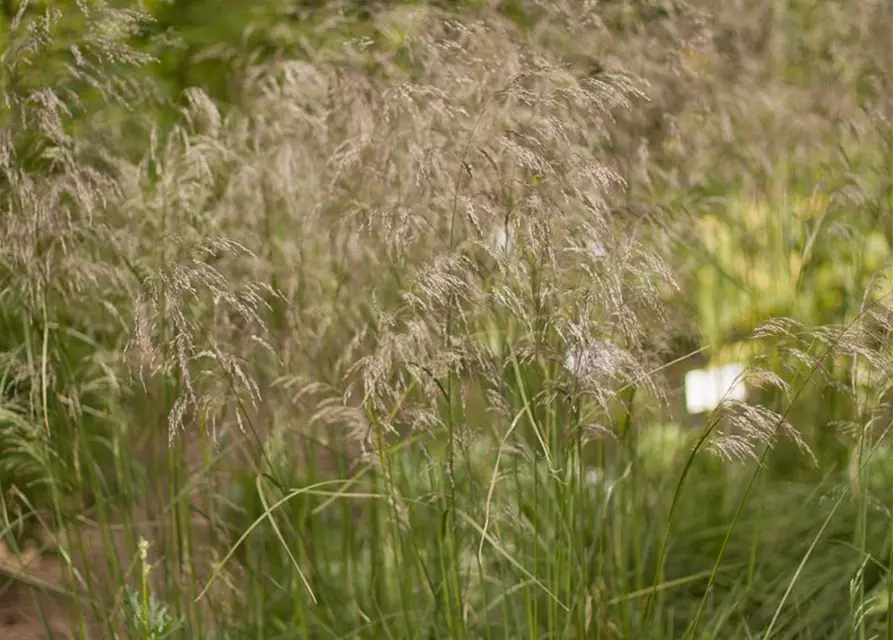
[(379, 353)]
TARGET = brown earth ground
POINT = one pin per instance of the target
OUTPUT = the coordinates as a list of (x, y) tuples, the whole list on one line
[(32, 605)]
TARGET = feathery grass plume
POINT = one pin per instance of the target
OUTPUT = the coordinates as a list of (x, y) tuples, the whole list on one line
[(177, 340), (59, 184), (802, 362), (58, 188), (518, 157), (71, 79)]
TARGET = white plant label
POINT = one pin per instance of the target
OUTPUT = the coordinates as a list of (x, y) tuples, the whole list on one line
[(705, 389)]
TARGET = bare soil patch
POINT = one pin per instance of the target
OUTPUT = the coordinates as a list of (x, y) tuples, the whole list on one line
[(33, 600)]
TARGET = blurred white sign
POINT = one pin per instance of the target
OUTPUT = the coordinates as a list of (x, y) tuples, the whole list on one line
[(705, 389)]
